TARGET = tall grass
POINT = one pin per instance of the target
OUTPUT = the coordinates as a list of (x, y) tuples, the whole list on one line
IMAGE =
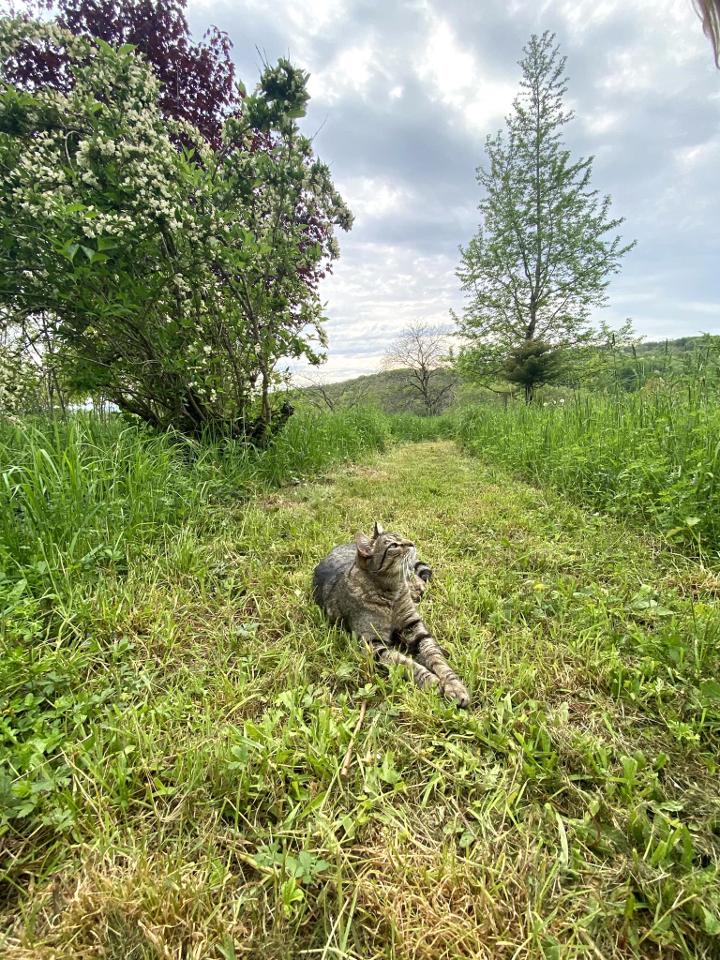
[(652, 458), (409, 426), (87, 506), (176, 714), (80, 495)]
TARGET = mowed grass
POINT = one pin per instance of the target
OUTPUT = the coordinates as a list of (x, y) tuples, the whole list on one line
[(198, 710)]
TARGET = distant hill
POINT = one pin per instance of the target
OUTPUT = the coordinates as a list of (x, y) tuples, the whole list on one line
[(389, 390), (677, 346), (392, 391)]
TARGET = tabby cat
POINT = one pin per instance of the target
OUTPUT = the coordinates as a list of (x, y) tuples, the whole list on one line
[(371, 586)]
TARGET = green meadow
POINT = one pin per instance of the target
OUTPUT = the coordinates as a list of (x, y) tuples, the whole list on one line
[(194, 763), (176, 713)]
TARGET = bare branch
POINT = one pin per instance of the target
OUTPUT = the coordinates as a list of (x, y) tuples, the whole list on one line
[(422, 350)]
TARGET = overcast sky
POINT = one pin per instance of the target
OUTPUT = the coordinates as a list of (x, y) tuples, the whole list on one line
[(403, 96)]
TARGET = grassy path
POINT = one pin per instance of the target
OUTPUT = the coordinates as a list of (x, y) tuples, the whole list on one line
[(572, 812)]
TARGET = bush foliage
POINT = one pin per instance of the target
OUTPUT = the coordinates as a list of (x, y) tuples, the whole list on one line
[(172, 278)]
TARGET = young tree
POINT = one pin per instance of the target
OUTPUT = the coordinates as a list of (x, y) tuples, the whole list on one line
[(421, 350), (544, 252), (531, 364)]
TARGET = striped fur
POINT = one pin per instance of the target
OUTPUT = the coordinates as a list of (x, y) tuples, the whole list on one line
[(371, 587)]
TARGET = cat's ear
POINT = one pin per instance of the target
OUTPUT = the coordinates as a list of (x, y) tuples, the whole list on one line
[(364, 546), (378, 529)]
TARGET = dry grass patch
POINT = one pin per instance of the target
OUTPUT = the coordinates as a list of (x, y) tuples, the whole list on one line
[(132, 907)]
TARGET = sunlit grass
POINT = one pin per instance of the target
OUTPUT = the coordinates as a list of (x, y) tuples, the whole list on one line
[(175, 717), (84, 495)]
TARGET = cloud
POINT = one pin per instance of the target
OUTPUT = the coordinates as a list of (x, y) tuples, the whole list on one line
[(698, 156), (373, 197), (456, 78), (351, 71), (404, 94)]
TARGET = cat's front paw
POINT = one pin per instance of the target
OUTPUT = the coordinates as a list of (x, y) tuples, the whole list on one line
[(455, 690), (417, 589)]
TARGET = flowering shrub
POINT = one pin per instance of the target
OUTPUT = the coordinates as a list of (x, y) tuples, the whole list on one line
[(196, 78), (21, 384), (171, 279)]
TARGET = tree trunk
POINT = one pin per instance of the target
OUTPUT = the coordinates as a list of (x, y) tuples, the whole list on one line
[(266, 410), (425, 390)]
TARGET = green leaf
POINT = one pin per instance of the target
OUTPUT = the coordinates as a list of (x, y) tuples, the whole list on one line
[(710, 690), (711, 923)]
